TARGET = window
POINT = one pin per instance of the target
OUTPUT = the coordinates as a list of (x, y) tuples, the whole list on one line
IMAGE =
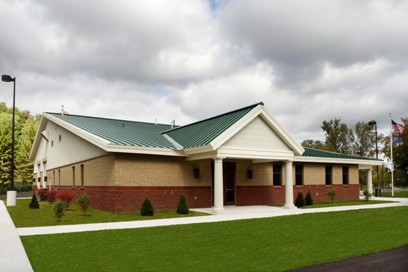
[(59, 177), (345, 175), (82, 175), (73, 176), (299, 174), (53, 177), (52, 143), (277, 174), (329, 175), (60, 138)]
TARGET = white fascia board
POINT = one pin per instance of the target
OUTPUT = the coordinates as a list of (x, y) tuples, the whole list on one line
[(98, 141), (38, 137), (143, 150), (202, 156), (244, 153), (337, 161), (197, 150)]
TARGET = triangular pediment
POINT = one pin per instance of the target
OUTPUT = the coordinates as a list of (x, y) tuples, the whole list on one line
[(257, 135)]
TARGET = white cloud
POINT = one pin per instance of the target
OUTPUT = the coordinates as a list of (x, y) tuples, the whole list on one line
[(308, 61)]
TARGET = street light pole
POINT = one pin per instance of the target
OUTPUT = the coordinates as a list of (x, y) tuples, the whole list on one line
[(7, 78), (371, 123)]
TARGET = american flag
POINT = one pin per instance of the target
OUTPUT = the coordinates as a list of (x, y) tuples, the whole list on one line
[(397, 127)]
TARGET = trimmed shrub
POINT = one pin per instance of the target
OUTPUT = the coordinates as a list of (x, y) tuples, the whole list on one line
[(59, 209), (42, 194), (300, 201), (367, 195), (51, 195), (308, 199), (3, 189), (183, 206), (34, 203), (332, 194), (65, 197), (147, 208), (84, 202)]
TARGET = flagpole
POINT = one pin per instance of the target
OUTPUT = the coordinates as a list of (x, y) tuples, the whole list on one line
[(392, 158)]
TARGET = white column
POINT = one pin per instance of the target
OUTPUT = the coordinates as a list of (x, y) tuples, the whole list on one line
[(218, 185), (370, 181), (289, 186)]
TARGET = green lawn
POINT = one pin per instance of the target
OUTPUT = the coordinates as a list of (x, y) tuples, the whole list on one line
[(344, 203), (271, 244), (396, 194), (24, 217)]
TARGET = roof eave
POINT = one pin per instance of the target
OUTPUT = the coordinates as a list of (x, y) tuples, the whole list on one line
[(361, 162), (143, 150)]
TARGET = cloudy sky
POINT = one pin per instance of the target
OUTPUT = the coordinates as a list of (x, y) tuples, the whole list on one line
[(308, 61)]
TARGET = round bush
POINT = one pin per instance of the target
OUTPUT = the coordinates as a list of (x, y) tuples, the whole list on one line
[(84, 203), (59, 209)]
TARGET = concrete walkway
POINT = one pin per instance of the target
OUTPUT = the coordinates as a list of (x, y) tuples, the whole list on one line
[(14, 258), (12, 254)]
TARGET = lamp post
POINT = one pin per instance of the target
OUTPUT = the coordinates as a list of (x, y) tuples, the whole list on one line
[(374, 123), (11, 195)]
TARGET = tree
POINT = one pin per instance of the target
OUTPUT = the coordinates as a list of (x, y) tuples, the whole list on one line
[(400, 152), (316, 144), (25, 131), (339, 137), (24, 170), (364, 140)]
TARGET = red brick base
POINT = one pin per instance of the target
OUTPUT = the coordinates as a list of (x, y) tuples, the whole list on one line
[(266, 195), (128, 198)]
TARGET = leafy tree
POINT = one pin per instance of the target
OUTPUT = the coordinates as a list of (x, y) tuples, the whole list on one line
[(316, 144), (400, 152), (338, 136), (25, 130), (24, 170), (364, 140)]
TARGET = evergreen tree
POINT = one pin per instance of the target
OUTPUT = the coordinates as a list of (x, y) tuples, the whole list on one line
[(34, 203), (183, 206)]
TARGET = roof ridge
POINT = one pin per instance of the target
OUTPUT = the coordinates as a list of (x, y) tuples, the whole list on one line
[(106, 118), (337, 153), (213, 117)]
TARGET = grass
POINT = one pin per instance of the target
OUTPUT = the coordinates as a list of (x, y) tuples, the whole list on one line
[(396, 194), (24, 217), (271, 244), (344, 203)]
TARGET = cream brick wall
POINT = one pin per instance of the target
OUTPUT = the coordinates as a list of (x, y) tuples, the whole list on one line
[(145, 170), (314, 174), (97, 172), (149, 170)]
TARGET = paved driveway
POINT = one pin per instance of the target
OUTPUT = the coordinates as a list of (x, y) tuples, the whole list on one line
[(393, 260)]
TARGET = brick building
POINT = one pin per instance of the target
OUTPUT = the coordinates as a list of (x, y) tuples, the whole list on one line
[(242, 157)]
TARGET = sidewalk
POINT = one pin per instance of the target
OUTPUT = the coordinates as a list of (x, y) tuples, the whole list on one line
[(12, 254), (14, 258)]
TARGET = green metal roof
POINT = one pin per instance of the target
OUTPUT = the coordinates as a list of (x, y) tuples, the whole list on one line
[(311, 152), (204, 132), (120, 132)]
